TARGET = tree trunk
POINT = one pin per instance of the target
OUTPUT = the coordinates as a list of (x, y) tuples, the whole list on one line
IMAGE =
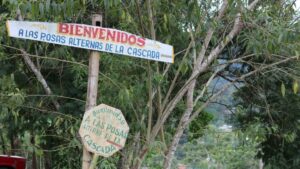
[(3, 144), (12, 145), (182, 125), (201, 65), (140, 157), (34, 162), (47, 160), (261, 164)]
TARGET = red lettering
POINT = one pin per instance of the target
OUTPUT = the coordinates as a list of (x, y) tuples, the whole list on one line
[(111, 35), (124, 37), (102, 33), (141, 41), (71, 30), (132, 39), (63, 28), (118, 36), (87, 31), (94, 32), (78, 29)]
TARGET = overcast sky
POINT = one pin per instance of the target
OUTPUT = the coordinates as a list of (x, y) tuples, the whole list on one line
[(298, 4)]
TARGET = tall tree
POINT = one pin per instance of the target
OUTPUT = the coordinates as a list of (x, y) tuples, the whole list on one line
[(271, 98), (153, 96)]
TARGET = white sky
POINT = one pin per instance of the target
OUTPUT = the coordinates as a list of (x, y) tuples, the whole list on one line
[(298, 5)]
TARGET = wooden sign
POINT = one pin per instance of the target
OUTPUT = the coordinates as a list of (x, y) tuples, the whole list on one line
[(104, 130), (93, 38)]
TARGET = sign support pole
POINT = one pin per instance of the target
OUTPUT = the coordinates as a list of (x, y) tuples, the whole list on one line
[(92, 88)]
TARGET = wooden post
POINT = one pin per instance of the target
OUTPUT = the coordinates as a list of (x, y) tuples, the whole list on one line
[(92, 88)]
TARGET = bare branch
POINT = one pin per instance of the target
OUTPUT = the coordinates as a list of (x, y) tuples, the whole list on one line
[(35, 70), (39, 77), (196, 113), (150, 90), (210, 33), (252, 5), (150, 13), (185, 116), (64, 97), (218, 49), (200, 67), (205, 87), (181, 126), (176, 76), (197, 71)]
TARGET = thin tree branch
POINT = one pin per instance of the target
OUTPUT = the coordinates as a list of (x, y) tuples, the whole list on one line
[(150, 90), (197, 71), (199, 68), (210, 33), (35, 70), (189, 108), (140, 17), (64, 97), (196, 113), (150, 103), (252, 5), (50, 111), (61, 60), (205, 88), (39, 77), (44, 57), (176, 76)]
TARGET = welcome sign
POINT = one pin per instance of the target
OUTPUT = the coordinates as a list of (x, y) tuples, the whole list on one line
[(93, 38)]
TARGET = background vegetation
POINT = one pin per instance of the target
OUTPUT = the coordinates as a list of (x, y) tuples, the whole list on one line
[(249, 48)]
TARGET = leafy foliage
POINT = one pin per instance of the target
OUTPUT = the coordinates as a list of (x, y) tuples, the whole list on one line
[(271, 98), (31, 123), (197, 126), (219, 148), (280, 118)]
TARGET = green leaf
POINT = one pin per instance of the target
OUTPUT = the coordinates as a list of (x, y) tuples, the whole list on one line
[(27, 138), (123, 15), (165, 18), (282, 89), (37, 139), (72, 131), (49, 121), (38, 151), (184, 67), (297, 55), (47, 5), (106, 4), (280, 38), (33, 10), (158, 78), (295, 87), (41, 7)]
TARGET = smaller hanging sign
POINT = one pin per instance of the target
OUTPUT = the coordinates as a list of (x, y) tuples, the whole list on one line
[(104, 130)]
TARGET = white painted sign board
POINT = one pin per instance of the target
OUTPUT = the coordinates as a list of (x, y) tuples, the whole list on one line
[(103, 130), (93, 38)]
